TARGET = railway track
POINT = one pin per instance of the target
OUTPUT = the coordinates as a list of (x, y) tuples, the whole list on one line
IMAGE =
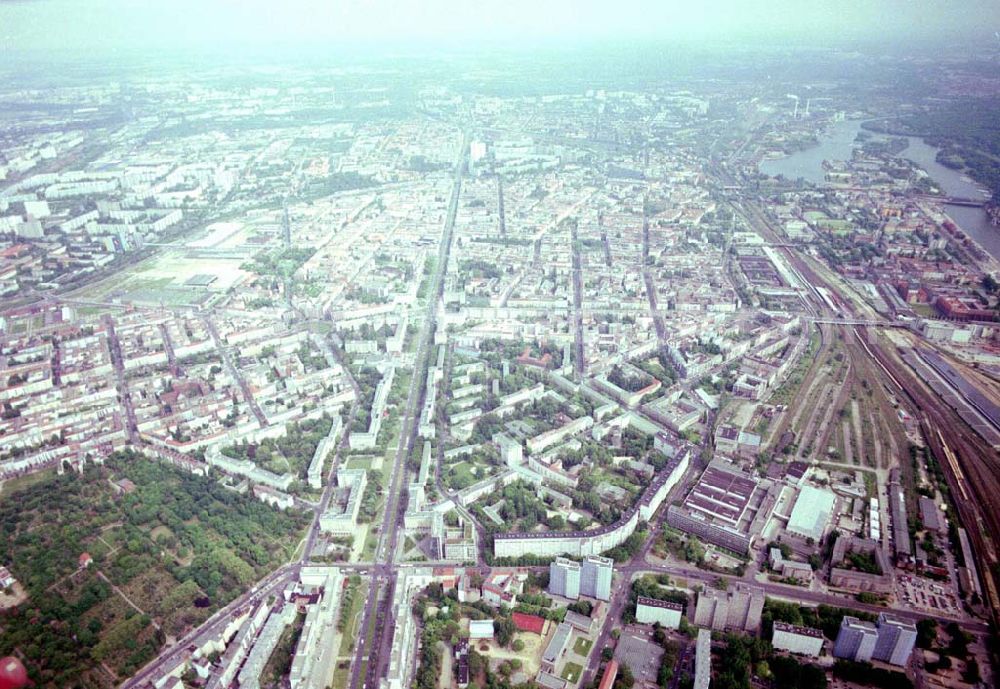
[(970, 469)]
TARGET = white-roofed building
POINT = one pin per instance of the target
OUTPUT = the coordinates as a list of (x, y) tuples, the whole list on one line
[(650, 610), (795, 639), (811, 513), (481, 629)]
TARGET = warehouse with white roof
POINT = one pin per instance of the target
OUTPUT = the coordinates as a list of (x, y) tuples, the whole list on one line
[(811, 513)]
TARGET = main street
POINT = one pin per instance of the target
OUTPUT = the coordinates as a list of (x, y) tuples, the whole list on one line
[(376, 630)]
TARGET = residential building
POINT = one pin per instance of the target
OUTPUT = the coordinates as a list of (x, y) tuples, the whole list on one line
[(855, 640), (564, 578), (666, 613), (896, 638), (738, 608), (796, 639), (703, 659), (595, 577)]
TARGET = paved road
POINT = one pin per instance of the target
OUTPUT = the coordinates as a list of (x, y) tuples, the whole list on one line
[(234, 371), (272, 583), (377, 611), (213, 627)]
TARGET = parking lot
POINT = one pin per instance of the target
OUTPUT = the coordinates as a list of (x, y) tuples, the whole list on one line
[(926, 594)]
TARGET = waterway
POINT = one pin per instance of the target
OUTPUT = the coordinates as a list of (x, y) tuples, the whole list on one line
[(837, 144)]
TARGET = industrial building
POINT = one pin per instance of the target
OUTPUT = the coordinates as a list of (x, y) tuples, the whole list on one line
[(726, 507), (853, 580), (811, 513)]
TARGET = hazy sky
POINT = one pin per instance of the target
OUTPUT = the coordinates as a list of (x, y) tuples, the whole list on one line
[(101, 26)]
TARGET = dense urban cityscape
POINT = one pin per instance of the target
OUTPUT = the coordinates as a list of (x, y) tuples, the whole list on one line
[(602, 371)]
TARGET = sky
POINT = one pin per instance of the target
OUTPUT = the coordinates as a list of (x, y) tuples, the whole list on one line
[(96, 27)]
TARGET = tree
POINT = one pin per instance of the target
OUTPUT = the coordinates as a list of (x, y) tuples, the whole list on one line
[(927, 631), (959, 644), (504, 629), (625, 680), (971, 674)]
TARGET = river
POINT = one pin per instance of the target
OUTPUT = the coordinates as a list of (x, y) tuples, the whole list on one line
[(837, 144)]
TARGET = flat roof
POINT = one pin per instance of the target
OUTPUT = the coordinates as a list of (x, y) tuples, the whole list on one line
[(812, 511), (550, 681), (201, 280), (703, 660), (657, 603), (558, 642), (722, 493), (854, 623), (889, 618), (796, 629)]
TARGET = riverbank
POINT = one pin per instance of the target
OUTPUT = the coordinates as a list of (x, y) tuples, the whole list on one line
[(838, 144)]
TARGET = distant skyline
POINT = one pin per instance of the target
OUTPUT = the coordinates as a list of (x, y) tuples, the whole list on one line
[(97, 28)]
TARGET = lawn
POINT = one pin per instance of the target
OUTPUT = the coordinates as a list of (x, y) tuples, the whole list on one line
[(459, 476), (341, 676), (571, 672), (359, 463), (353, 616), (582, 646), (13, 485)]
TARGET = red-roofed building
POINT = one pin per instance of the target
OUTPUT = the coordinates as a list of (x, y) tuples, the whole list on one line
[(528, 623), (15, 251), (610, 672), (85, 559), (967, 309)]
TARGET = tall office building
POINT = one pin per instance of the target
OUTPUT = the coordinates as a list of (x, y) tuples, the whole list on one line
[(896, 638), (564, 578), (595, 577), (856, 640)]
